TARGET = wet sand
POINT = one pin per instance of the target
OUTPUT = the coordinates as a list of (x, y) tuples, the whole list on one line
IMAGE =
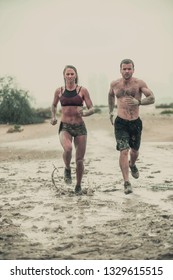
[(42, 220)]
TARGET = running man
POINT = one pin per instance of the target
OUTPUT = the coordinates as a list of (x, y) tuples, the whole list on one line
[(128, 92)]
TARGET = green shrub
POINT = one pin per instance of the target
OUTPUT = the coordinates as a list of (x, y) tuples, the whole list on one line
[(15, 107), (97, 109), (16, 128), (44, 113), (164, 106), (166, 112)]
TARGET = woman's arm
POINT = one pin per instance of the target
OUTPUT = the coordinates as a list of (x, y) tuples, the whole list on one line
[(54, 107), (88, 102)]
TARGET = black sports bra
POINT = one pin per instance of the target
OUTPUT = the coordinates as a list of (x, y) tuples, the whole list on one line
[(71, 98)]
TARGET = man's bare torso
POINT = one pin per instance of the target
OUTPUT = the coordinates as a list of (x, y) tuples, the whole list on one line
[(124, 91)]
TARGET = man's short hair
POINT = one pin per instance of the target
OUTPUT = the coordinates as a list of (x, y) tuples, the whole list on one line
[(127, 61)]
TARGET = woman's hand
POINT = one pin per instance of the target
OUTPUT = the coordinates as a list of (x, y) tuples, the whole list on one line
[(53, 121), (86, 113), (111, 116), (80, 111)]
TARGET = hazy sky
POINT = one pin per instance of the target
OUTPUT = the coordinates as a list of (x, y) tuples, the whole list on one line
[(39, 37)]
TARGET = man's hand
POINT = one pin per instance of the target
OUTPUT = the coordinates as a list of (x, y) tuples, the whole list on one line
[(132, 101), (53, 121)]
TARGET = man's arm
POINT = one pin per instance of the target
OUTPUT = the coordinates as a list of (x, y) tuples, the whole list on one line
[(111, 100), (149, 96), (111, 103)]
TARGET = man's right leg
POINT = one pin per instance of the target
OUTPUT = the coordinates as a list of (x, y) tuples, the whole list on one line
[(133, 157), (122, 139), (124, 165)]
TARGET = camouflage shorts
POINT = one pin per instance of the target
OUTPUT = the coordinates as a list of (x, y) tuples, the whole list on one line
[(73, 129)]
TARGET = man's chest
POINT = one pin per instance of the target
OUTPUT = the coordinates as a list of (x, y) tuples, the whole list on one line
[(124, 91)]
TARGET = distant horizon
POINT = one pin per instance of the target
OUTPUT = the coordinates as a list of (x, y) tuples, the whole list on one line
[(166, 101)]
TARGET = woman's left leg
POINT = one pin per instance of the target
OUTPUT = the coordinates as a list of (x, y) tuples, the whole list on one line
[(80, 145)]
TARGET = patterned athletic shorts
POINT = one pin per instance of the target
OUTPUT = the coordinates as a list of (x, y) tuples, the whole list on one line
[(128, 133), (73, 129)]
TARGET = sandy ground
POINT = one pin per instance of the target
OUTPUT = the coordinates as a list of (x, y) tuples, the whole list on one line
[(39, 220)]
